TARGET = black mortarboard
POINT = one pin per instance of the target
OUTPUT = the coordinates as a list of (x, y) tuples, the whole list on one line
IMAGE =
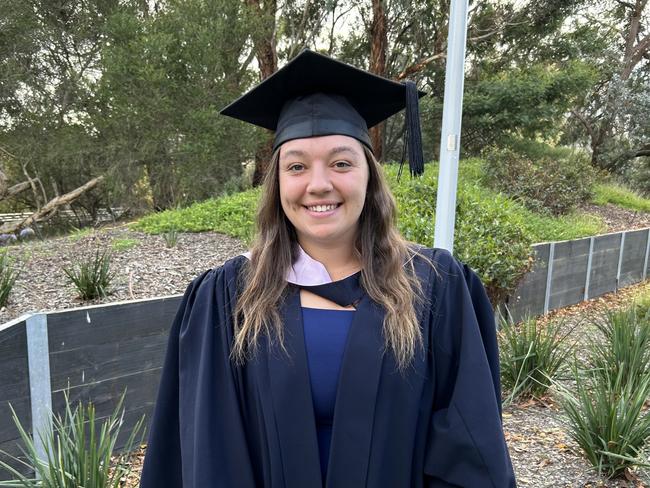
[(314, 95)]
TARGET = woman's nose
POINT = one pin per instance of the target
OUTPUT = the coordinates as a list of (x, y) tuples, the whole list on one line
[(319, 181)]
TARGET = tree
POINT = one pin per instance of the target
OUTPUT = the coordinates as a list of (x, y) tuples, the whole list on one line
[(603, 115)]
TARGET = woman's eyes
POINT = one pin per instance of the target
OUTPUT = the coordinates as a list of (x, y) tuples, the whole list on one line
[(296, 167)]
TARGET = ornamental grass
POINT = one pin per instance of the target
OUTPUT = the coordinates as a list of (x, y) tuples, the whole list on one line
[(78, 451)]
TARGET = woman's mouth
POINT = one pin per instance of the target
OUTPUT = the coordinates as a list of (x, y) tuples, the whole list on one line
[(322, 208)]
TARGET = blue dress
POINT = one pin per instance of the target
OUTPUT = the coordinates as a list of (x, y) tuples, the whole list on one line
[(326, 333)]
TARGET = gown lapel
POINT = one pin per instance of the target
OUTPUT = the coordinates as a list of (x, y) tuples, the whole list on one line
[(356, 397), (292, 401)]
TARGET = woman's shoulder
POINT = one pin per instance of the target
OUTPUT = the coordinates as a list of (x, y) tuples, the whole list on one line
[(224, 276), (438, 259)]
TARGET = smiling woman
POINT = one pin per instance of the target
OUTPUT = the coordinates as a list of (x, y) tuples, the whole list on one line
[(335, 353)]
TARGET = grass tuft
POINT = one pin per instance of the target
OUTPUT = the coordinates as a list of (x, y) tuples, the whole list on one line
[(532, 355), (8, 276), (92, 275)]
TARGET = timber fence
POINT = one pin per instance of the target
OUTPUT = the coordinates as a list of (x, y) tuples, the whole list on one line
[(97, 352)]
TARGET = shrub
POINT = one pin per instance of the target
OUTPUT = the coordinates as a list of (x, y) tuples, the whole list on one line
[(8, 276), (231, 214), (78, 453), (551, 184), (531, 356), (91, 276), (606, 418), (606, 410), (622, 346), (490, 232)]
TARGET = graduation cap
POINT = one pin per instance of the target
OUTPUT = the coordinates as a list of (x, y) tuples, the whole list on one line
[(315, 95)]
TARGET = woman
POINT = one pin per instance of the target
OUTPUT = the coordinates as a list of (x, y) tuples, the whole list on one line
[(335, 354)]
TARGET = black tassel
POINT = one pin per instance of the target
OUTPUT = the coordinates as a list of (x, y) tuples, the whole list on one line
[(413, 135), (416, 159)]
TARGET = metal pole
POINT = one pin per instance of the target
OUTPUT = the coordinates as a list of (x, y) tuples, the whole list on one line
[(549, 277), (40, 388), (451, 120), (589, 259), (620, 260)]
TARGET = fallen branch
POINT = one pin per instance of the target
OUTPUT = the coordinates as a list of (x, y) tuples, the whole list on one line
[(50, 208), (16, 189)]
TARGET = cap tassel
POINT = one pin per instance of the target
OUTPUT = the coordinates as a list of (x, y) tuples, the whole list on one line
[(413, 136)]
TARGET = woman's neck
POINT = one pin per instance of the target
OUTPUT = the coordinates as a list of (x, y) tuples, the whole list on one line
[(339, 260)]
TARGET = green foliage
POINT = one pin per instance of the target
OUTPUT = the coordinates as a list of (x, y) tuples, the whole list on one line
[(606, 410), (489, 234), (544, 184), (574, 225), (78, 234), (622, 347), (123, 244), (607, 419), (621, 196), (78, 451), (532, 355), (231, 214), (529, 102), (91, 275), (170, 237), (8, 276)]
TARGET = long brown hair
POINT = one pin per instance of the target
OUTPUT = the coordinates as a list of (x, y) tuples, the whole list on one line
[(387, 272)]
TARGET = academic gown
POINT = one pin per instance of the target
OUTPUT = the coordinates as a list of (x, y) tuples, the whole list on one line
[(435, 425)]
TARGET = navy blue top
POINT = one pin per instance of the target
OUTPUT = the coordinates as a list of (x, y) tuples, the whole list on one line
[(326, 333)]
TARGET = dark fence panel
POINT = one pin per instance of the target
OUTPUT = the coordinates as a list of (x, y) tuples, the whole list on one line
[(604, 264), (14, 389), (528, 298), (633, 257), (569, 273)]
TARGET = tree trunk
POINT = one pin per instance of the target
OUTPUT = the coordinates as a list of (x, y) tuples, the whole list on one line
[(378, 43), (267, 58)]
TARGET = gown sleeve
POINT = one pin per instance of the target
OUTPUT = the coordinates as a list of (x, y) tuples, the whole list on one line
[(465, 446), (197, 436)]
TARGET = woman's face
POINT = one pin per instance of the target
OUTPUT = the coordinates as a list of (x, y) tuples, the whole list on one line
[(323, 182)]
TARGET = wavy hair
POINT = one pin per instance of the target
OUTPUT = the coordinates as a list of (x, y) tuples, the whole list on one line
[(387, 270)]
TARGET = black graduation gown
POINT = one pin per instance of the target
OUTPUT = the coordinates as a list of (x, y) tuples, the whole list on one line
[(436, 425)]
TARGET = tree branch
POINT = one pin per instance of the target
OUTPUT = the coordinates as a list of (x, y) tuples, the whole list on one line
[(419, 66), (50, 209), (585, 123)]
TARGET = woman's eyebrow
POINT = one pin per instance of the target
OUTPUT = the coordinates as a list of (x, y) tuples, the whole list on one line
[(293, 153), (341, 149)]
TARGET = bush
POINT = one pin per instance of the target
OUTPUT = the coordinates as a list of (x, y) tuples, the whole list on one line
[(490, 234), (233, 215), (606, 411), (531, 356), (546, 184), (8, 276), (607, 420), (91, 276), (622, 346), (78, 453)]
